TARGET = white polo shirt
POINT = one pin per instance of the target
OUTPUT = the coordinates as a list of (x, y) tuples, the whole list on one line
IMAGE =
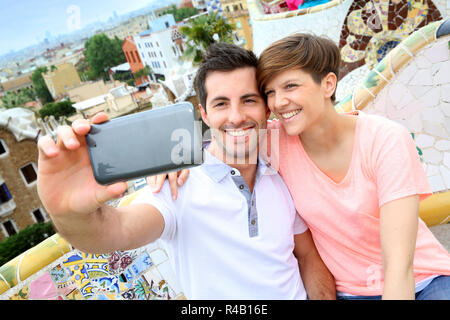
[(227, 243)]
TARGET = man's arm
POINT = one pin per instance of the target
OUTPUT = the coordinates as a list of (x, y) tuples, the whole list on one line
[(317, 279), (76, 202), (398, 232), (110, 229)]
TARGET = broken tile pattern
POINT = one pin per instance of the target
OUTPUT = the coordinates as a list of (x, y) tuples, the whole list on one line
[(141, 274), (418, 97), (372, 28)]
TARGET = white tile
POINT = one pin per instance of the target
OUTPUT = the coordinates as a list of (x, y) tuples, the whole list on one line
[(415, 123), (445, 173), (446, 93), (433, 115), (167, 273), (397, 92), (434, 129), (432, 170), (422, 78), (422, 62), (431, 98), (158, 256), (437, 53), (405, 75), (431, 156), (424, 140), (443, 74), (443, 145), (447, 159), (419, 91), (436, 183), (445, 107)]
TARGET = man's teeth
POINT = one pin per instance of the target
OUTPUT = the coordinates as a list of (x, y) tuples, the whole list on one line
[(237, 133), (290, 114)]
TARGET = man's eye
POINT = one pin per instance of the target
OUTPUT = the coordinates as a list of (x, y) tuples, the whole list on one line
[(220, 104), (250, 101)]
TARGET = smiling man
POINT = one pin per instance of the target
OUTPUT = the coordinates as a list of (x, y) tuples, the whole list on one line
[(232, 233)]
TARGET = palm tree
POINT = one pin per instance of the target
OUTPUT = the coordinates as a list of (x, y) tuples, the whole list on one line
[(204, 31)]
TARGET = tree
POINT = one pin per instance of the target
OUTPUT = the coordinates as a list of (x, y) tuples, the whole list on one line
[(39, 85), (144, 72), (13, 100), (57, 109), (181, 13), (101, 54), (201, 32)]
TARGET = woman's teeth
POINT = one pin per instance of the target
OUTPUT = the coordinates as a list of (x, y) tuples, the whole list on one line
[(288, 115)]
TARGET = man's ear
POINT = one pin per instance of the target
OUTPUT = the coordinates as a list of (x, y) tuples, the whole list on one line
[(203, 114), (329, 83)]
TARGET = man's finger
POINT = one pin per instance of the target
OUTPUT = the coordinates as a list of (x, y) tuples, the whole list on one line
[(182, 176), (173, 184), (67, 137), (47, 147)]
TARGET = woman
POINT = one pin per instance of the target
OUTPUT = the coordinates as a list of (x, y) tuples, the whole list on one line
[(356, 179)]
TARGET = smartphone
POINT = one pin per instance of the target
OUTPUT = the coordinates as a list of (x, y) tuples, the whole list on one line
[(147, 143)]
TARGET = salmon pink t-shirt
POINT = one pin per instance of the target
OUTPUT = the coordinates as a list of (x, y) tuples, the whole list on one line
[(344, 217)]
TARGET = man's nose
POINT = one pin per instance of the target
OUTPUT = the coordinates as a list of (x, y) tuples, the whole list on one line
[(237, 115)]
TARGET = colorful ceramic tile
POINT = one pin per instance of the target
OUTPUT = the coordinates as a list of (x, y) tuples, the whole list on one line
[(105, 285), (43, 288), (75, 295), (22, 294)]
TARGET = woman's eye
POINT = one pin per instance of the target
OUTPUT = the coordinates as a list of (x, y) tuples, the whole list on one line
[(268, 93), (291, 85)]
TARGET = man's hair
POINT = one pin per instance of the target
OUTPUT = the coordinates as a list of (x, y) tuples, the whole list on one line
[(221, 57), (315, 55)]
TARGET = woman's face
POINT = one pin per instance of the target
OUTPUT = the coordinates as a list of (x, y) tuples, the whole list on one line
[(296, 99)]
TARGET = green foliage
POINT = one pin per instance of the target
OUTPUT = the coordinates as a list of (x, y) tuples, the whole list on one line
[(25, 239), (13, 100), (181, 13), (200, 35), (57, 109), (101, 54), (39, 85)]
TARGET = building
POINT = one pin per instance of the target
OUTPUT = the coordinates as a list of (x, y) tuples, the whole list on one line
[(16, 84), (185, 4), (160, 23), (61, 79), (133, 57), (130, 28), (199, 4), (160, 50), (236, 11), (88, 90), (19, 202), (116, 102)]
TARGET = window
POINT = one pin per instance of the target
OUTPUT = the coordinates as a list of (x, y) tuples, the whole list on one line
[(38, 215), (29, 173), (137, 55), (227, 8), (157, 44), (240, 5), (132, 55), (167, 24), (165, 66), (235, 7), (5, 196), (9, 228), (4, 151), (160, 53)]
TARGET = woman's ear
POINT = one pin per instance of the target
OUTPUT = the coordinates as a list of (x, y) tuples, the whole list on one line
[(329, 83)]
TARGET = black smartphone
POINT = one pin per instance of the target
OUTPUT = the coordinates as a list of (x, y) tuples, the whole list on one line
[(156, 141)]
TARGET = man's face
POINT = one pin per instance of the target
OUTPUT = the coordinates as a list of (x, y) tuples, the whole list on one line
[(235, 112)]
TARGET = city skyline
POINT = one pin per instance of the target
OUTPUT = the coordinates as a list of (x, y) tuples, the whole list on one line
[(29, 24)]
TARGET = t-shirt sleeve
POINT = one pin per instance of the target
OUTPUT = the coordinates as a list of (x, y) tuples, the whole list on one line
[(398, 170), (165, 205), (299, 225)]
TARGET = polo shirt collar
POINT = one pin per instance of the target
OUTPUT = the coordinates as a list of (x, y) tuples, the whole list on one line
[(218, 170)]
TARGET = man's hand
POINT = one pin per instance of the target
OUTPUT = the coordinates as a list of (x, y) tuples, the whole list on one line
[(176, 179), (66, 184)]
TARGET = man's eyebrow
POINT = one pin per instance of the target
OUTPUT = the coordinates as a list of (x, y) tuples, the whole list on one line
[(221, 98), (250, 95)]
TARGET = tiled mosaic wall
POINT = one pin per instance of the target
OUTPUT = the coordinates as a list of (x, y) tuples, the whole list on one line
[(141, 274), (364, 30), (418, 96)]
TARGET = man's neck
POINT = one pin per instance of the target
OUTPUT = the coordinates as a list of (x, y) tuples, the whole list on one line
[(247, 166)]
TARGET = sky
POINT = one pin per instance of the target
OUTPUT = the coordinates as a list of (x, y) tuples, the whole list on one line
[(25, 22)]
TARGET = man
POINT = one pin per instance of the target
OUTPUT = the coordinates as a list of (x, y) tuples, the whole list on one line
[(233, 230)]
